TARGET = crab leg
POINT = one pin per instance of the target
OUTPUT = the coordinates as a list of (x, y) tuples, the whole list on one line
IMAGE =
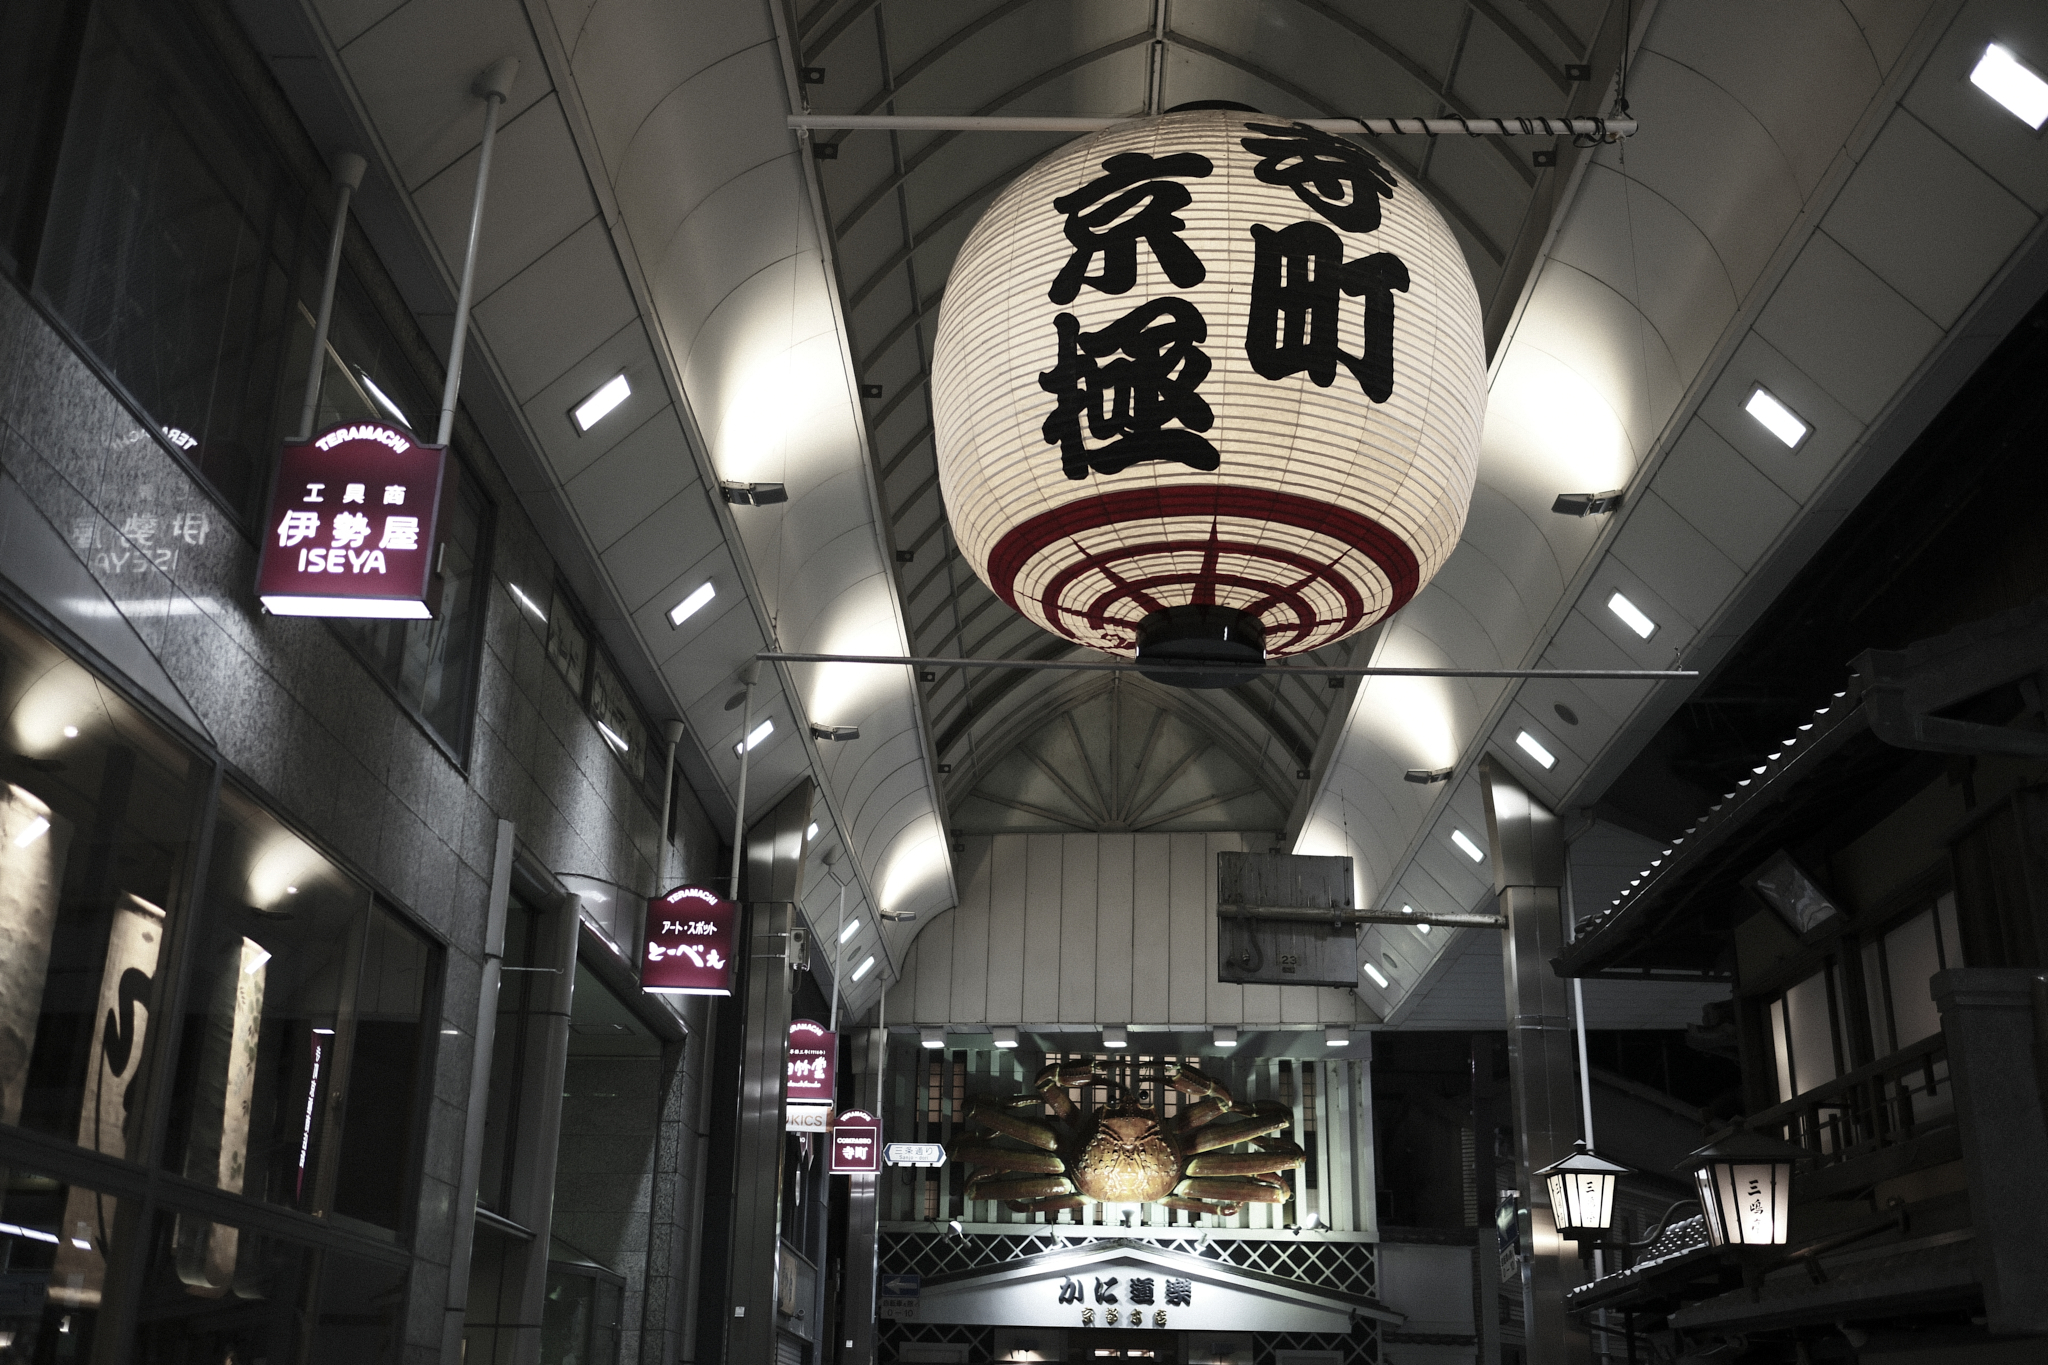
[(1189, 1081), (1055, 1078), (1046, 1205), (1033, 1131), (1228, 1134), (1242, 1189), (1028, 1187), (1007, 1159), (1281, 1157), (1174, 1201), (1195, 1115)]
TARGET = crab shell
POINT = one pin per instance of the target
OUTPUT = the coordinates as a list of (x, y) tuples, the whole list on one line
[(1126, 1156)]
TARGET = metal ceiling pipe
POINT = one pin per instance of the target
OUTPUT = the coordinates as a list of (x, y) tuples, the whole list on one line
[(348, 178), (1539, 125), (1252, 672), (1528, 877), (494, 86)]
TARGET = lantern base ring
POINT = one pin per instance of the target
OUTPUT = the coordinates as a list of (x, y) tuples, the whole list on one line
[(1200, 634)]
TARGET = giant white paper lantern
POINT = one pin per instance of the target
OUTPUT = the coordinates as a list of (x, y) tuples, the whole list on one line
[(1209, 385)]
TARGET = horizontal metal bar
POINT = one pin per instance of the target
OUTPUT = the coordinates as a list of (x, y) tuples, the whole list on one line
[(1541, 125), (1343, 918), (1251, 672)]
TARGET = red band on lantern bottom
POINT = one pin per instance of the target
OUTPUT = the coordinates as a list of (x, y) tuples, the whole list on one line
[(1391, 555)]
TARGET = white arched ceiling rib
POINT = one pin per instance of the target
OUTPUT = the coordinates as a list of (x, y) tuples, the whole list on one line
[(1646, 325), (687, 106)]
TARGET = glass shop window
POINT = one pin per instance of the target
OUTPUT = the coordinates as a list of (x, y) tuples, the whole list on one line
[(594, 678), (218, 1292), (177, 244), (524, 986), (1807, 1037), (1896, 968), (62, 1249), (305, 1030), (98, 821)]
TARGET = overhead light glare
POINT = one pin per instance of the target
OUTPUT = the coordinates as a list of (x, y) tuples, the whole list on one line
[(1005, 1035), (384, 399), (71, 732), (1379, 978), (595, 408), (852, 925), (1223, 1036), (1116, 1035), (1775, 417), (613, 737), (1632, 616), (1423, 928), (35, 830), (1467, 847), (1529, 745), (755, 736), (539, 614), (1336, 1035), (931, 1038), (691, 605), (2013, 84), (862, 969)]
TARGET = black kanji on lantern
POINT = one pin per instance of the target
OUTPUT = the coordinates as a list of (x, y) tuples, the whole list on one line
[(1298, 272), (1128, 202), (1335, 176), (1152, 381)]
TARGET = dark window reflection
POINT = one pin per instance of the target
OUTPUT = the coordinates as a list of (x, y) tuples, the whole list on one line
[(303, 1036), (61, 1250), (97, 817)]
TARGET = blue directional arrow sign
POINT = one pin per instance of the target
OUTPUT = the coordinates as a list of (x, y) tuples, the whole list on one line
[(902, 1286)]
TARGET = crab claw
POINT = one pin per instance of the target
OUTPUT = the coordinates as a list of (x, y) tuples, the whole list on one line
[(1189, 1081)]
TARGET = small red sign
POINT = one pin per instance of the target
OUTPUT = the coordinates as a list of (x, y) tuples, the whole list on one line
[(690, 934), (353, 525), (856, 1143), (813, 1058)]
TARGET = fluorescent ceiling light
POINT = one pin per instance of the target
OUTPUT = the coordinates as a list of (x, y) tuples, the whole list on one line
[(594, 409), (1466, 846), (811, 831), (2013, 84), (613, 737), (1529, 745), (852, 928), (1632, 616), (756, 735), (862, 969), (527, 602), (689, 606), (933, 1038), (1336, 1035), (33, 1234), (1006, 1035), (37, 828), (1774, 417), (1116, 1035), (1379, 978), (1224, 1036), (384, 400)]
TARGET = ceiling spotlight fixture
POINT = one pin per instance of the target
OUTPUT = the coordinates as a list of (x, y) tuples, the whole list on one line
[(1531, 746), (840, 732), (863, 969), (899, 916), (756, 735), (1116, 1035), (1379, 978), (1336, 1035), (1587, 504), (1774, 417), (2013, 84), (1006, 1035), (691, 605), (753, 494), (1425, 776), (1223, 1036), (1632, 616), (1467, 847), (598, 406), (932, 1038), (953, 1224)]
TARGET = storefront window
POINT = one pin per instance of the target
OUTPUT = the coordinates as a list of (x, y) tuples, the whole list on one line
[(303, 1038), (98, 815), (61, 1249)]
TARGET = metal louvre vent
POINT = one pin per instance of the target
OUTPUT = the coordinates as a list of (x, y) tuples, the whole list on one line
[(1360, 1347), (1347, 1267)]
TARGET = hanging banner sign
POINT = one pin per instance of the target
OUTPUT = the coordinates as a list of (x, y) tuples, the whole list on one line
[(915, 1154), (690, 933), (813, 1060), (353, 525), (857, 1143)]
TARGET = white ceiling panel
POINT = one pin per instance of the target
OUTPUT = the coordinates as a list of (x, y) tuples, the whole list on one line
[(1835, 319), (557, 310), (1733, 503), (635, 481), (569, 451), (1677, 562), (1931, 224), (1969, 119)]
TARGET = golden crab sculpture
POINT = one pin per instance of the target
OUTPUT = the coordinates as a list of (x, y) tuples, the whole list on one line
[(1125, 1153)]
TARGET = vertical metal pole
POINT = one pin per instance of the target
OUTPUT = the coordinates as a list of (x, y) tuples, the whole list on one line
[(348, 177), (838, 947), (748, 675), (672, 732), (495, 87)]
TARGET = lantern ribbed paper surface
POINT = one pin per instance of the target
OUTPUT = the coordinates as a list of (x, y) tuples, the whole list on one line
[(1209, 358)]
